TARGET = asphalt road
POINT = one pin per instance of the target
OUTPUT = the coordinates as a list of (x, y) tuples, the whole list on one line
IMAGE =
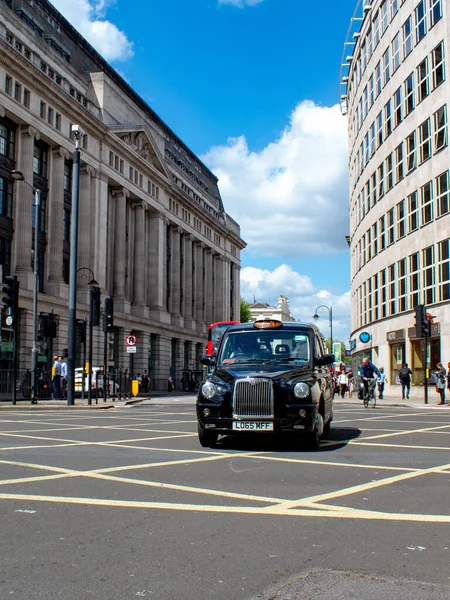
[(124, 503)]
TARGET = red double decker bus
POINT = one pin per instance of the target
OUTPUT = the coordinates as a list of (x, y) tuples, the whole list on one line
[(215, 333)]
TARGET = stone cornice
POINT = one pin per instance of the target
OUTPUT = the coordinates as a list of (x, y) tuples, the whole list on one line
[(60, 151), (30, 131), (120, 191)]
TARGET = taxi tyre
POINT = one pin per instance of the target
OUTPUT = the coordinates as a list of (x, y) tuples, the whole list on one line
[(207, 439), (312, 439)]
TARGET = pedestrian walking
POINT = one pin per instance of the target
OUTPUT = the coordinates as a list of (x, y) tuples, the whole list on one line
[(342, 381), (405, 379), (382, 380), (145, 383), (170, 384), (56, 378), (63, 381), (448, 376), (440, 382)]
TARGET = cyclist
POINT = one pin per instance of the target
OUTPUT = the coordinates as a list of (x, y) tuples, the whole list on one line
[(367, 372)]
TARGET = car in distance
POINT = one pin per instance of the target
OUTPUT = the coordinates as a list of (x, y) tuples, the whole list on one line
[(268, 377), (97, 372)]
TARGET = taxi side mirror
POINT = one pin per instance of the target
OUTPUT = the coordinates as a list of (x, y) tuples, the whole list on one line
[(326, 359), (207, 360)]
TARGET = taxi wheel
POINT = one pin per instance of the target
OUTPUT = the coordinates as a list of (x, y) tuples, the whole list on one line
[(207, 439), (327, 426), (313, 438)]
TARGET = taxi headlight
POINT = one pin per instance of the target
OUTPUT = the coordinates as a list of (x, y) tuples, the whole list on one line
[(208, 390), (301, 390)]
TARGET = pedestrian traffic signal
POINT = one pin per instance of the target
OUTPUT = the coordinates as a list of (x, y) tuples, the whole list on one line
[(81, 332), (47, 325), (422, 323), (108, 315), (426, 327), (11, 298), (95, 305)]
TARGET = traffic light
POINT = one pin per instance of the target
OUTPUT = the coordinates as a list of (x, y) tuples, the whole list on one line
[(108, 315), (95, 305), (81, 332), (47, 325), (422, 323), (11, 298)]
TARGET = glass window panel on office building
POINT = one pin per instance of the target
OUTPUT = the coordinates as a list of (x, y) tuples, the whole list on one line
[(376, 29), (381, 181), (440, 128), (429, 280), (384, 8), (6, 197), (391, 227), (392, 289), (423, 80), (399, 162), (387, 119), (409, 94), (413, 205), (376, 297), (394, 7), (435, 11), (420, 21), (378, 80), (7, 140), (402, 285), (442, 194), (382, 232), (426, 201), (401, 219), (398, 112), (379, 129), (411, 154), (375, 239), (386, 66), (396, 56), (444, 270), (389, 172), (438, 65), (407, 37), (425, 140), (383, 294), (414, 280)]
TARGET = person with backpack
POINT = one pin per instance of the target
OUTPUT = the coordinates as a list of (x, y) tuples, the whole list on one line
[(440, 382), (405, 379)]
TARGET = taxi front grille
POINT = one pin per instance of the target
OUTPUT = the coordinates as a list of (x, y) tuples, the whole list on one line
[(253, 398)]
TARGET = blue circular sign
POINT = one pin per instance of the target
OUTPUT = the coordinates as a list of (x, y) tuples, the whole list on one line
[(364, 337)]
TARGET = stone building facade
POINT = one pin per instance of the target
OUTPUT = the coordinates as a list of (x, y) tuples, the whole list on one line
[(395, 91), (153, 230), (263, 310)]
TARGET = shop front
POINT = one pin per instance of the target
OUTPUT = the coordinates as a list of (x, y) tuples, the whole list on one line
[(397, 352), (422, 357)]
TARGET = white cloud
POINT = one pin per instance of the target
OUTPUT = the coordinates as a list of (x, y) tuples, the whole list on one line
[(290, 198), (263, 285), (241, 3), (88, 18)]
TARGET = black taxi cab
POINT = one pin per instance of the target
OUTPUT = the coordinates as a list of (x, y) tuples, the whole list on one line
[(267, 377)]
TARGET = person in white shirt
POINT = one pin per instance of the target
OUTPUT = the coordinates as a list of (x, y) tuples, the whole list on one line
[(382, 379), (342, 382), (63, 381)]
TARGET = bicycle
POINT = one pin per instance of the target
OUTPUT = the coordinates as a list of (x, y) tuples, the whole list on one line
[(370, 396)]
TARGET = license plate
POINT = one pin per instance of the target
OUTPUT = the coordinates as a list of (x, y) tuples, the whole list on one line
[(253, 425)]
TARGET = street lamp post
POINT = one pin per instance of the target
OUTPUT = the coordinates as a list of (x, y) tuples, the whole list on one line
[(330, 315), (18, 176), (93, 283), (77, 134)]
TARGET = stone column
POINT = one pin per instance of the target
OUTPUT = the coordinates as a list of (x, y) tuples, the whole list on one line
[(209, 286), (56, 216), (237, 292), (226, 289), (188, 282), (219, 300), (100, 241), (24, 208), (157, 281), (120, 244), (84, 219), (139, 278), (175, 277), (199, 295)]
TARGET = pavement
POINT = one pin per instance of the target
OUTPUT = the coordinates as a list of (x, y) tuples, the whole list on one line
[(178, 397)]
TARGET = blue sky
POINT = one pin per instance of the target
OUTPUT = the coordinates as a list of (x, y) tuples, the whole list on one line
[(252, 87)]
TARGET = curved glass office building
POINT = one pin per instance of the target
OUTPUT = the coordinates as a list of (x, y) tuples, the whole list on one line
[(395, 92)]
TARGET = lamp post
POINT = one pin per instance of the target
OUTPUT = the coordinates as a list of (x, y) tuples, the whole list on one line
[(18, 176), (77, 134), (92, 283), (330, 315)]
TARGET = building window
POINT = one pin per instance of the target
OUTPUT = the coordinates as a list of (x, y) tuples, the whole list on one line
[(421, 21), (383, 294), (378, 80), (423, 86), (111, 159), (396, 58), (384, 8), (18, 92), (40, 161), (401, 219), (373, 200), (429, 275), (26, 98), (435, 11), (386, 67), (392, 289), (402, 285), (387, 119), (442, 194), (399, 162), (42, 110), (376, 30), (411, 152), (426, 201), (391, 227), (389, 172), (121, 166), (381, 180), (7, 140), (66, 226), (444, 270), (379, 129), (8, 85), (425, 140), (67, 177), (440, 128), (50, 116), (58, 121), (409, 94), (414, 280), (5, 197), (407, 37), (382, 233), (438, 65), (413, 205), (371, 91), (131, 173), (398, 117)]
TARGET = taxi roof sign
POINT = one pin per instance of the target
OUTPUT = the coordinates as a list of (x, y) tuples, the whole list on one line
[(268, 324)]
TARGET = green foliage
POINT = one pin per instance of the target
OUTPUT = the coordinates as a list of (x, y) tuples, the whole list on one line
[(245, 311)]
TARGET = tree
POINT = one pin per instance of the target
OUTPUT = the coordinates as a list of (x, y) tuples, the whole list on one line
[(245, 311)]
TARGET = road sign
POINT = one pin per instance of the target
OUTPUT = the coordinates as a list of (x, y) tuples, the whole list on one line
[(131, 349), (131, 340), (9, 320)]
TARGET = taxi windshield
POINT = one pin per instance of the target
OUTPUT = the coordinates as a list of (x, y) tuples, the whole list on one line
[(265, 346)]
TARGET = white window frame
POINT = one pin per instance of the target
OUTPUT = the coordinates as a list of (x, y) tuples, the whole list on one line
[(408, 42), (442, 194), (426, 203), (420, 21), (413, 212)]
